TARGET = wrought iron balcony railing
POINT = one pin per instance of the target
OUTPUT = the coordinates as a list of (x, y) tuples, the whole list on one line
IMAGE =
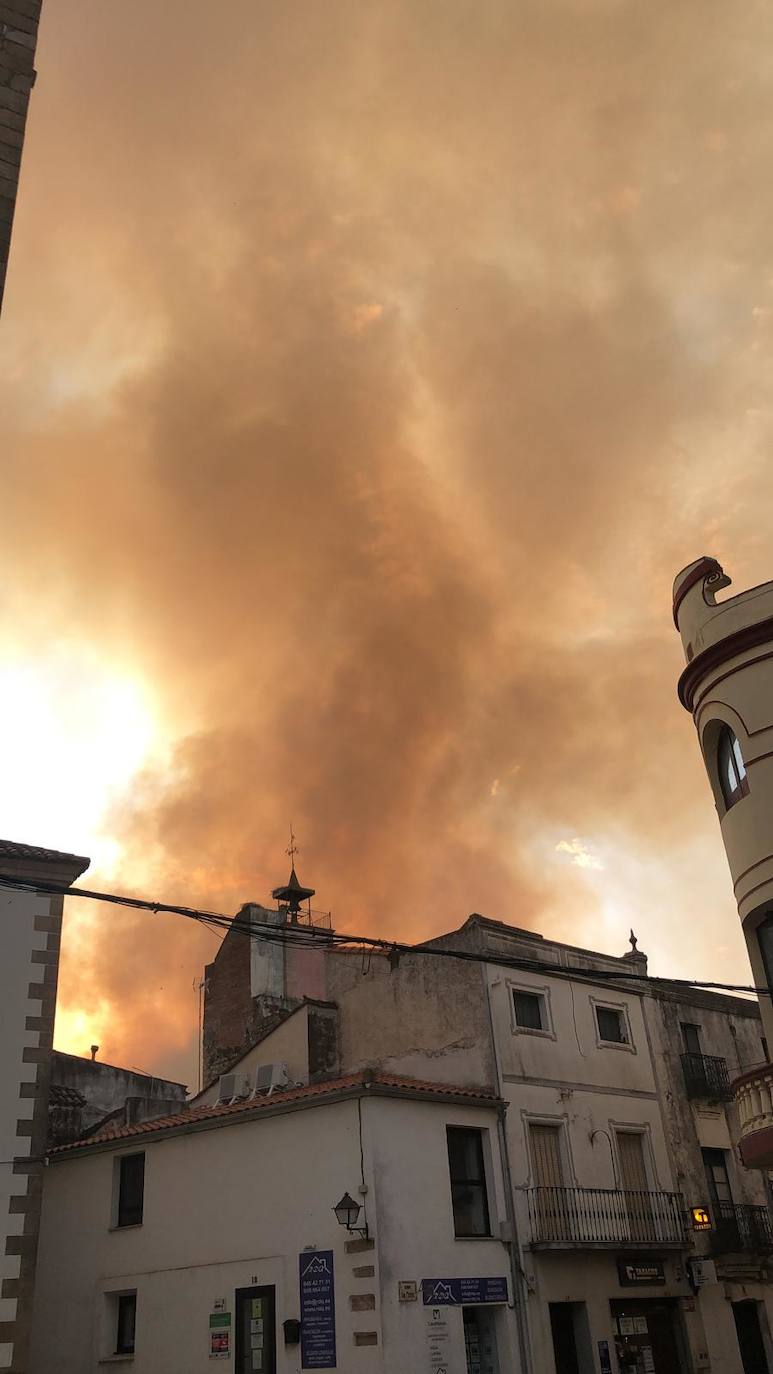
[(316, 920), (740, 1228), (605, 1216), (705, 1076)]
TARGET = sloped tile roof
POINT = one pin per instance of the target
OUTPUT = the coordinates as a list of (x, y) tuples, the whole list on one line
[(382, 1084), (11, 849)]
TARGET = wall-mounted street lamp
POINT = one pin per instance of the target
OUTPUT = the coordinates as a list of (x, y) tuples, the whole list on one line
[(347, 1211)]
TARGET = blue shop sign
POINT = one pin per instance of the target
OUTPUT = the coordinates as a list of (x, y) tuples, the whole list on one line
[(448, 1292), (318, 1312)]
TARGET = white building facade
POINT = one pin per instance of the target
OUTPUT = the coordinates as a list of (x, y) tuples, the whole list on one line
[(211, 1236), (30, 931), (607, 1146)]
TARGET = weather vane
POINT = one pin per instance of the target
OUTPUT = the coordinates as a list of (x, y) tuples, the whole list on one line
[(292, 848)]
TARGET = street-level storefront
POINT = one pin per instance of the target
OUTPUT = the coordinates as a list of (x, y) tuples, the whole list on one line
[(736, 1302), (625, 1313), (465, 1321), (648, 1335)]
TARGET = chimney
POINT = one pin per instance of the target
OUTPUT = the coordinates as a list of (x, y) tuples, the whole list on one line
[(94, 1049)]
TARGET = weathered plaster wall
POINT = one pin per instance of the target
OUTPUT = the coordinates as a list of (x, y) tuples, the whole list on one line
[(426, 1018), (730, 1029), (107, 1088)]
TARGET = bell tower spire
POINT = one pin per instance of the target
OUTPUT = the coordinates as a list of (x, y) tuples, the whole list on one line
[(290, 896)]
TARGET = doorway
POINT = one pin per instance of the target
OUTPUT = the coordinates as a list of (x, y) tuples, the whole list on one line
[(480, 1341), (750, 1341), (564, 1340), (646, 1336), (255, 1331)]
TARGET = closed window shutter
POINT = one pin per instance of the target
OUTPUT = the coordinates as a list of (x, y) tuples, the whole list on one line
[(633, 1171), (546, 1156)]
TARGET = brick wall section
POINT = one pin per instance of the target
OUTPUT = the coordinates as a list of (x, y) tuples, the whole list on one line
[(18, 37), (231, 1021)]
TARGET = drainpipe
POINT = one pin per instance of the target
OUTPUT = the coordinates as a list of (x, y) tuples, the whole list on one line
[(520, 1291)]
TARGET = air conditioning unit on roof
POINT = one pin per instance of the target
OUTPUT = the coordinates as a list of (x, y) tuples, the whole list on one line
[(268, 1078), (227, 1088)]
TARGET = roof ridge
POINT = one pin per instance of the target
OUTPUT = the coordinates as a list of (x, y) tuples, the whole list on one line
[(21, 850), (364, 1078)]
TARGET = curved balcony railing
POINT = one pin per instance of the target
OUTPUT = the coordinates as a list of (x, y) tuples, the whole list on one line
[(753, 1096), (605, 1216), (706, 1077)]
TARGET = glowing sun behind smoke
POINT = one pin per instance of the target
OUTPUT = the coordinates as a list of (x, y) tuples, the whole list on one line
[(77, 731)]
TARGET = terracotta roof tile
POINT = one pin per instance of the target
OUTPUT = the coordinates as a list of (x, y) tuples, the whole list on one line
[(311, 1093), (11, 849)]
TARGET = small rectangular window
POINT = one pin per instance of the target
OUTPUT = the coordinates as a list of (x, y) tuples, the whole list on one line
[(528, 1010), (126, 1322), (691, 1036), (131, 1190), (468, 1182), (611, 1024)]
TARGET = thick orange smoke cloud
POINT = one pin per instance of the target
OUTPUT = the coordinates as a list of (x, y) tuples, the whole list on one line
[(370, 371)]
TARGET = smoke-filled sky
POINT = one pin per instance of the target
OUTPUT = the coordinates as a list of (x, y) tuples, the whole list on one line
[(367, 371)]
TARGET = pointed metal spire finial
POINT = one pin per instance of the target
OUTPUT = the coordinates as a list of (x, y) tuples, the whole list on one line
[(633, 942), (291, 894)]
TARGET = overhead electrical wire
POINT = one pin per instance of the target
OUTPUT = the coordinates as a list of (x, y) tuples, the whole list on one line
[(309, 937)]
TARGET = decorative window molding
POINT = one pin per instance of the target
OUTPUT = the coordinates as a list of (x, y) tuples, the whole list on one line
[(561, 1123), (644, 1129), (542, 994), (603, 1022)]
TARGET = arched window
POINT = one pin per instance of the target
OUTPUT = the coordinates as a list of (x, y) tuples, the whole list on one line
[(732, 769)]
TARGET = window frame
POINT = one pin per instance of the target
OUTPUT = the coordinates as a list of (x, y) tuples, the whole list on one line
[(540, 991), (482, 1183), (110, 1345), (121, 1299), (621, 1008), (711, 1183), (120, 1222), (643, 1130), (560, 1125), (728, 755), (685, 1026)]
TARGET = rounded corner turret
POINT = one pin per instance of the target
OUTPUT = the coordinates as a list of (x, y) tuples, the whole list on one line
[(696, 587)]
